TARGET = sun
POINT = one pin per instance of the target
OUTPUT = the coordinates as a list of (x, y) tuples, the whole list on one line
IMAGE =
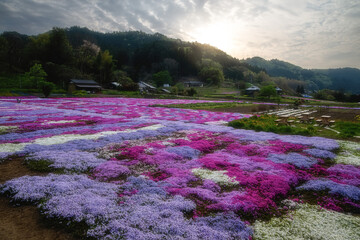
[(219, 35)]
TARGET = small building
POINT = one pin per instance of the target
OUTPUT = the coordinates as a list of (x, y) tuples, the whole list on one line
[(115, 85), (191, 82), (82, 84), (250, 91), (278, 90), (145, 87)]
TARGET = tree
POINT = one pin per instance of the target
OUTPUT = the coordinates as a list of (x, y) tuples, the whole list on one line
[(300, 89), (4, 46), (34, 76), (104, 65), (191, 92), (268, 91), (86, 56), (212, 75), (59, 50), (46, 87), (125, 82), (235, 73), (161, 78), (178, 89), (37, 49), (262, 77)]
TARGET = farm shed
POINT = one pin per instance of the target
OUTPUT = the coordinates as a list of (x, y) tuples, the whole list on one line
[(81, 84)]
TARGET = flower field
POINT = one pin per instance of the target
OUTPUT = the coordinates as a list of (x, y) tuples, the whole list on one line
[(119, 169)]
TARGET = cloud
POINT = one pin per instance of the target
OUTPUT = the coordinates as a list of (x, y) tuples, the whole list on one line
[(305, 32)]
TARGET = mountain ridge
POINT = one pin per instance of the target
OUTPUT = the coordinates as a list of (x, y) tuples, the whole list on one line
[(344, 79)]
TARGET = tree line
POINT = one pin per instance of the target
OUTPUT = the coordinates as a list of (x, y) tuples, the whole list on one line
[(126, 58)]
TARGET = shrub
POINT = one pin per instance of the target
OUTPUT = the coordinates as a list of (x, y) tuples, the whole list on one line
[(46, 87), (79, 93), (285, 129)]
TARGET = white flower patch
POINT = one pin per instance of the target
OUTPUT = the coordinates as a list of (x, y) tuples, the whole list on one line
[(58, 122), (216, 123), (309, 222), (60, 139), (165, 143), (218, 177), (152, 127), (12, 147), (349, 154)]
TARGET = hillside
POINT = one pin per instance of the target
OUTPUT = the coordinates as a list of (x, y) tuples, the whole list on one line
[(347, 79), (82, 53), (78, 52)]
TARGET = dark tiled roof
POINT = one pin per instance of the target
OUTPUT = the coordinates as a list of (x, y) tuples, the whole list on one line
[(83, 81), (87, 86)]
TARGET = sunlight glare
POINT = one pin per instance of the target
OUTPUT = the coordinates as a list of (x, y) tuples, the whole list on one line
[(219, 35)]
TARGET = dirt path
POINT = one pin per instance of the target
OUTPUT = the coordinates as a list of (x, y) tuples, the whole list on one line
[(23, 222)]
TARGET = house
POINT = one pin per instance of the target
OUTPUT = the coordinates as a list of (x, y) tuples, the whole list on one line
[(145, 87), (115, 85), (191, 82), (278, 90), (250, 91), (82, 84)]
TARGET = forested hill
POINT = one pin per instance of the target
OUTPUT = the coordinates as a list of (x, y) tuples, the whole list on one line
[(78, 52), (128, 57), (148, 52), (347, 79)]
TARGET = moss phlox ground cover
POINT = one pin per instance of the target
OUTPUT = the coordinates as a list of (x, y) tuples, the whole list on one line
[(137, 172)]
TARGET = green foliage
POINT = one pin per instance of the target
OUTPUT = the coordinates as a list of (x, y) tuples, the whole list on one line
[(267, 123), (58, 50), (348, 129), (39, 165), (86, 56), (324, 94), (79, 93), (300, 89), (268, 91), (46, 87), (178, 89), (34, 76), (111, 92), (161, 78), (104, 66), (211, 75), (191, 92), (126, 83)]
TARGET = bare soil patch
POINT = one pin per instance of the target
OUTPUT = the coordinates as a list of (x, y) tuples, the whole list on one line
[(19, 222)]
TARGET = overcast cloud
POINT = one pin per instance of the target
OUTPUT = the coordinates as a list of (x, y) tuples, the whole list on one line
[(308, 33)]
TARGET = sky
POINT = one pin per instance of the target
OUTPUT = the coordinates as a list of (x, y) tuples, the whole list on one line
[(307, 33)]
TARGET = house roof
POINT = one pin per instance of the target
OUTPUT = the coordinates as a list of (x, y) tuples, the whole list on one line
[(87, 86), (146, 85), (253, 88), (83, 81), (193, 82)]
